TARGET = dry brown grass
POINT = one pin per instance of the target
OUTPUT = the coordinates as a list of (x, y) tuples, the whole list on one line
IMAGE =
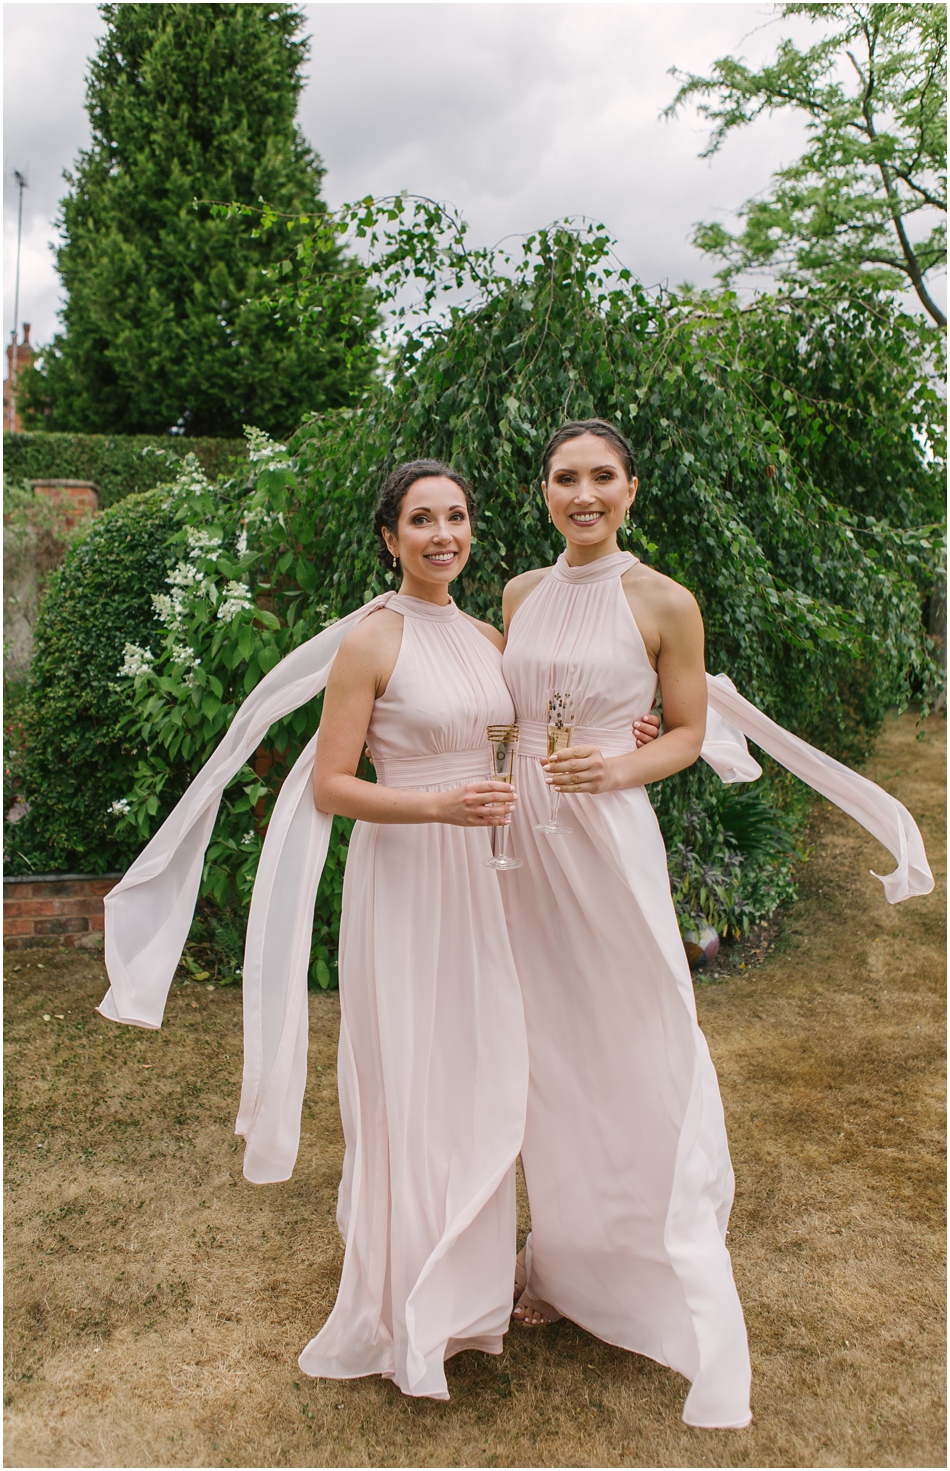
[(156, 1302)]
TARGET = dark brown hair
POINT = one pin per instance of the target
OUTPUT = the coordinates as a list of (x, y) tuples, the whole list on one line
[(393, 493), (602, 430)]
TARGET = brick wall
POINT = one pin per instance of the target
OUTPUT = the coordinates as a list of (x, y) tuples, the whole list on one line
[(55, 909), (79, 498)]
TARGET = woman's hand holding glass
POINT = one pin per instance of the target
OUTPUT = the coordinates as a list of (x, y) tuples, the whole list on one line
[(578, 769), (477, 804)]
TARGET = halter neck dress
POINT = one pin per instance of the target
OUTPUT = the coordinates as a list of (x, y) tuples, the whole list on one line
[(625, 1153), (433, 1053)]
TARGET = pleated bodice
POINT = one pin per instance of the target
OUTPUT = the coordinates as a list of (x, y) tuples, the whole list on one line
[(429, 727), (576, 633)]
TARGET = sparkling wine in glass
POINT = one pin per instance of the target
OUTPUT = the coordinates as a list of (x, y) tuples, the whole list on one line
[(503, 745), (560, 730)]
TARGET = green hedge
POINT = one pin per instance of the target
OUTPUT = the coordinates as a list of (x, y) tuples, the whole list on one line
[(114, 461), (65, 749)]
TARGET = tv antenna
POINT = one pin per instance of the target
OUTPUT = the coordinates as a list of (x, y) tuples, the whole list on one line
[(21, 183)]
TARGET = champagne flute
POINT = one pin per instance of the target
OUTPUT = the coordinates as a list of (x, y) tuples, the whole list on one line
[(503, 744), (560, 730)]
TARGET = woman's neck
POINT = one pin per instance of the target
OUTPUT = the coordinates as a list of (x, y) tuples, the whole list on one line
[(582, 556), (426, 592)]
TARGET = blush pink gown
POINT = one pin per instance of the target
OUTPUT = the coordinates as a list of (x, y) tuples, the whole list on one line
[(433, 1053), (625, 1153)]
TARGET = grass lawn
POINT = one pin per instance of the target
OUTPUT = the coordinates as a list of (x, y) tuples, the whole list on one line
[(156, 1302)]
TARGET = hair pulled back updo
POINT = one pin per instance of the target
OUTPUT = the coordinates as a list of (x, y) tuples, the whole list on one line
[(393, 493), (599, 427)]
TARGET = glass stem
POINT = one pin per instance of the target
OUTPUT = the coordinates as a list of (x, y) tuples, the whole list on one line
[(501, 842), (555, 803)]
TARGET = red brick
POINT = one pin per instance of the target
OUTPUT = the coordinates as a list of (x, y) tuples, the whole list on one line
[(24, 909), (32, 909), (61, 888), (59, 926), (100, 887), (13, 927), (97, 921), (16, 891), (82, 905)]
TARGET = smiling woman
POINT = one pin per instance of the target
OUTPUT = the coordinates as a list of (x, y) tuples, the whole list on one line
[(433, 1055), (433, 1059), (625, 1153)]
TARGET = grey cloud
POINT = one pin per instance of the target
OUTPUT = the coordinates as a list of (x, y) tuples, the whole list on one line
[(517, 114)]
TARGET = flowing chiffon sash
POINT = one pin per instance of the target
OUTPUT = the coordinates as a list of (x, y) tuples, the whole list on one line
[(149, 912), (730, 716)]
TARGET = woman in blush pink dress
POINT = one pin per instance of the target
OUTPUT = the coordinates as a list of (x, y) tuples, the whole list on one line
[(433, 1056), (625, 1154), (433, 1059)]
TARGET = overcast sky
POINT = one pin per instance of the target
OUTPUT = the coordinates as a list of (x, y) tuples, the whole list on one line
[(516, 114)]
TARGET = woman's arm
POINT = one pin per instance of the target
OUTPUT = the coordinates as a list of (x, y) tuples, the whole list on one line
[(681, 667), (360, 673)]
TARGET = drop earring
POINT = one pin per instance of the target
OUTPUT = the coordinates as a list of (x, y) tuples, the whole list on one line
[(394, 561)]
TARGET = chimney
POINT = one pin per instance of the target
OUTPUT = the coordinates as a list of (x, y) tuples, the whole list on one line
[(23, 352)]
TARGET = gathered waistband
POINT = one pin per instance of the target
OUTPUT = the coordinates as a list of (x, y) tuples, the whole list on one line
[(612, 742), (434, 770)]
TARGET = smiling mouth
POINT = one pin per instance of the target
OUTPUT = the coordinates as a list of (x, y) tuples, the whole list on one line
[(585, 518), (441, 559)]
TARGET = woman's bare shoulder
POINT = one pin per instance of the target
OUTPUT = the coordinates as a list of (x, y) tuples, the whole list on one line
[(489, 631), (659, 591), (373, 636), (522, 586)]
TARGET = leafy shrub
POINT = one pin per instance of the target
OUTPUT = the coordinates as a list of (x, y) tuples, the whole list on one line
[(119, 464), (732, 854), (74, 761), (814, 608)]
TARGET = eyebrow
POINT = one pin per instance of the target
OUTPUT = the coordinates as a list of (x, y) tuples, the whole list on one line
[(416, 509), (571, 469)]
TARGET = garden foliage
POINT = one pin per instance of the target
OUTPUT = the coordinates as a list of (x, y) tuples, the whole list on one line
[(118, 464), (68, 755), (867, 200), (163, 323), (811, 592)]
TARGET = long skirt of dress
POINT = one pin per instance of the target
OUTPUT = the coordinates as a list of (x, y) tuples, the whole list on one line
[(433, 1056), (625, 1153)]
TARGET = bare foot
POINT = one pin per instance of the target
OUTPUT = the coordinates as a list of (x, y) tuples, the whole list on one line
[(521, 1275), (529, 1311)]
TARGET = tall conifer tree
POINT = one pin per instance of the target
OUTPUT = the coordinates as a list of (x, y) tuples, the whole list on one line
[(164, 324)]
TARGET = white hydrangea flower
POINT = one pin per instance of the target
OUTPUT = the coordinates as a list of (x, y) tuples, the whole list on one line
[(137, 661), (247, 839), (184, 654), (240, 546), (120, 808), (201, 543), (184, 576), (237, 599), (264, 452), (169, 608)]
